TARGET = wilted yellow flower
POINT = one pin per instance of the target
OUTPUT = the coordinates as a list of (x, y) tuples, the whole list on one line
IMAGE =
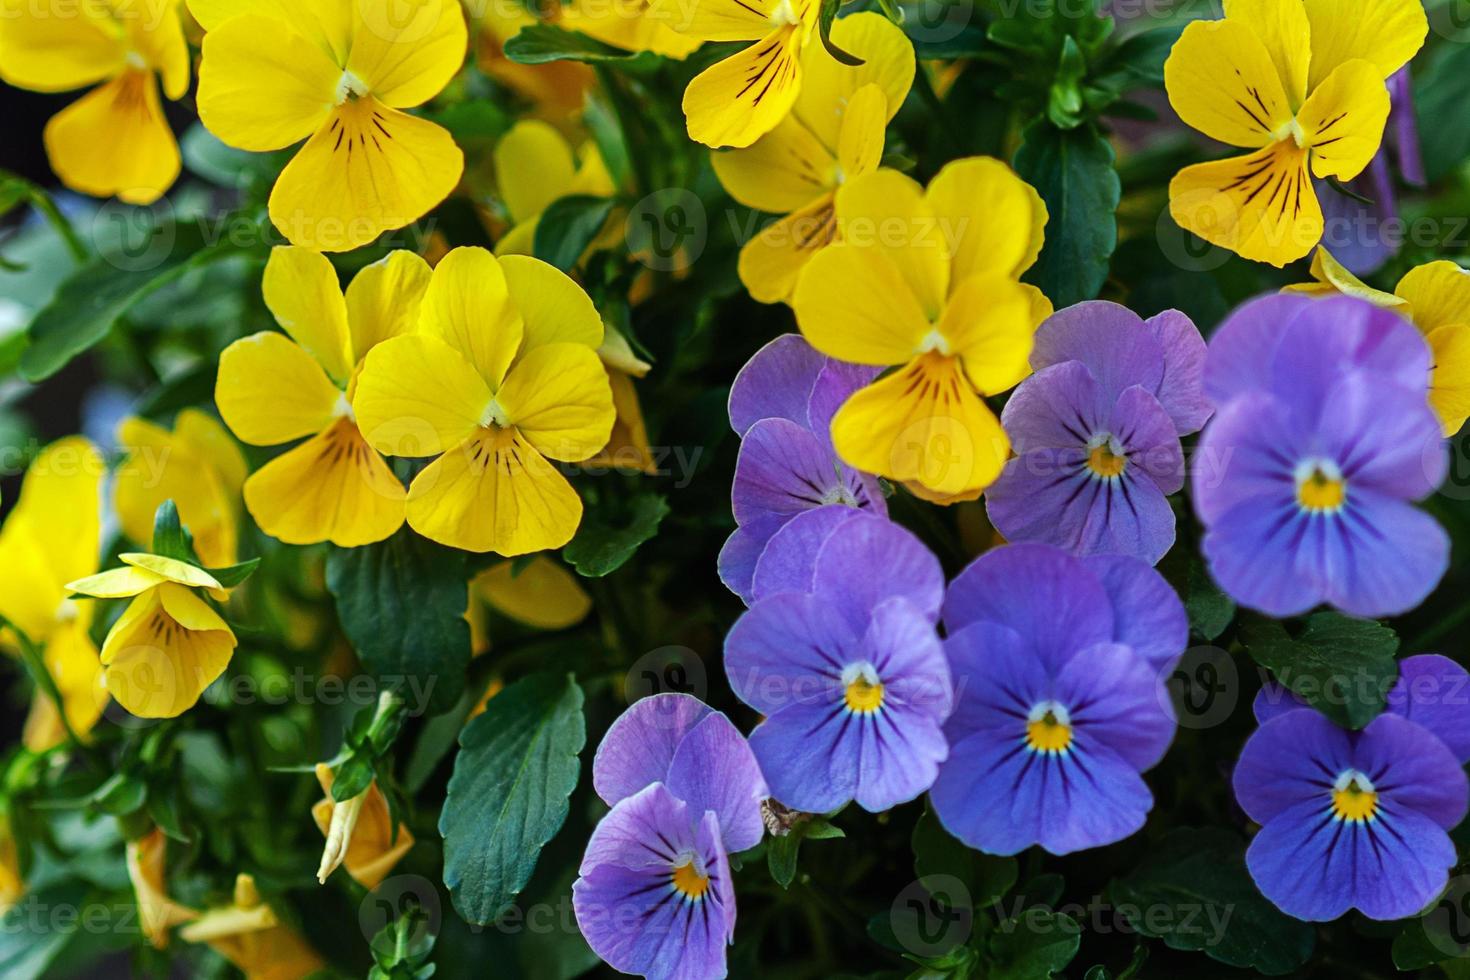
[(250, 935), (502, 377), (157, 913), (53, 536), (114, 139), (169, 644), (272, 389), (340, 72), (359, 833), (835, 133), (197, 466), (627, 448)]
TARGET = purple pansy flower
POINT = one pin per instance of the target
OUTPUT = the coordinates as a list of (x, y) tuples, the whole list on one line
[(781, 405), (1354, 819), (1059, 666), (1323, 436), (843, 660), (654, 894), (1096, 432)]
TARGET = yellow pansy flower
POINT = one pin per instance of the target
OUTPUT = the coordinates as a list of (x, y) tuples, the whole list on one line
[(197, 466), (1302, 84), (534, 166), (114, 139), (359, 833), (54, 535), (337, 73), (169, 644), (835, 133), (502, 377), (740, 99), (1436, 299), (625, 24), (542, 594), (273, 389), (927, 281), (557, 88), (157, 913), (12, 884), (249, 934)]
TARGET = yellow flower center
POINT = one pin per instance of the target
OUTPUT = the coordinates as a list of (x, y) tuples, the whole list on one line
[(784, 15), (1320, 488), (689, 882), (1103, 462), (863, 691), (1353, 798), (349, 86), (494, 415), (1049, 729)]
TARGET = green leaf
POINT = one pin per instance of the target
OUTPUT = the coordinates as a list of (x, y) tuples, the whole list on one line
[(539, 43), (516, 769), (1441, 91), (1343, 667), (206, 156), (1064, 104), (1210, 610), (1193, 891), (32, 936), (599, 548), (826, 17), (1073, 172), (120, 795), (402, 603), (473, 120), (781, 852), (986, 877), (232, 575), (607, 133), (1033, 945), (567, 227), (169, 537), (1138, 61)]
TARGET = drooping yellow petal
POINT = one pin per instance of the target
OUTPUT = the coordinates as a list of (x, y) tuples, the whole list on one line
[(1222, 81), (533, 167), (625, 24), (252, 937), (1261, 206), (1283, 29), (270, 391), (405, 54), (737, 101), (827, 85), (116, 583), (170, 569), (31, 594), (157, 913), (541, 593), (617, 353), (1343, 119), (1332, 277), (552, 307), (993, 221), (211, 442), (418, 396), (860, 143), (924, 424), (1449, 381), (1439, 294), (333, 487), (71, 660), (556, 89), (262, 85), (887, 213), (115, 141), (159, 467), (372, 850), (327, 23), (494, 493), (1385, 32), (383, 300), (468, 305), (715, 20), (772, 262), (155, 666), (988, 324), (854, 304), (60, 501), (559, 399), (783, 171), (303, 294), (58, 45), (370, 169), (627, 447)]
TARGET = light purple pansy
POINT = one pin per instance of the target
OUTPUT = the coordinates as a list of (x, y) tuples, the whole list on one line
[(1350, 820), (781, 405), (654, 895), (1059, 665), (842, 659), (1322, 439), (1096, 432)]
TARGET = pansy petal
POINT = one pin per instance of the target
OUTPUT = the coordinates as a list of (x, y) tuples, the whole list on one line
[(262, 85), (1250, 548), (115, 140), (1449, 385), (740, 553), (270, 391), (782, 470), (533, 167), (1060, 407), (383, 300), (418, 396), (736, 101), (772, 263), (1119, 701), (56, 45), (1181, 391), (854, 304), (328, 23), (1283, 29), (887, 212), (713, 769), (1111, 340), (1438, 293), (827, 84), (860, 144), (1384, 560), (468, 305), (790, 649), (553, 308), (303, 294), (776, 383), (988, 322), (1147, 613), (715, 20), (60, 501), (559, 399), (1412, 767), (789, 560), (543, 594), (406, 60), (783, 171), (1432, 691), (639, 746), (1262, 206), (844, 563), (808, 753), (1222, 81), (171, 569), (1343, 119), (994, 220), (1385, 32), (116, 583)]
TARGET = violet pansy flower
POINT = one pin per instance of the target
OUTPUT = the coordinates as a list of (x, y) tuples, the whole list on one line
[(1059, 666), (1096, 432), (781, 405), (843, 661), (1323, 438), (654, 895)]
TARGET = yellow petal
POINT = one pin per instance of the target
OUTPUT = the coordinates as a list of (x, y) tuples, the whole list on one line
[(558, 397), (262, 85), (494, 493), (417, 396), (854, 304), (406, 53), (625, 24), (332, 487), (552, 307), (1222, 81), (783, 171), (270, 391), (533, 167), (71, 660), (886, 212), (860, 143), (1283, 29), (627, 447), (327, 23), (736, 101), (1333, 277), (375, 844), (542, 593), (32, 594), (188, 610), (989, 325), (1261, 206), (1449, 381), (155, 666), (520, 240), (994, 221), (1385, 32), (58, 45), (156, 34), (468, 305), (115, 141), (303, 294), (170, 569), (715, 20), (159, 467), (212, 443), (1343, 120), (116, 583), (924, 424), (60, 501), (383, 300), (772, 262), (371, 169), (618, 354), (1439, 294), (827, 85), (157, 913)]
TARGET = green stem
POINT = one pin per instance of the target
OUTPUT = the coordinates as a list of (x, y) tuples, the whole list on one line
[(63, 227), (36, 664)]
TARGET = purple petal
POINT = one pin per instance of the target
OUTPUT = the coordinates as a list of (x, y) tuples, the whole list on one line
[(1252, 552), (1243, 347), (789, 561), (1274, 700), (742, 551), (1358, 235), (1182, 390), (776, 383), (805, 749), (1384, 438), (1384, 559), (997, 678), (834, 385), (789, 648), (909, 658), (1293, 758), (1109, 339), (714, 769), (865, 561), (1059, 407), (1412, 768), (1147, 613), (1434, 692), (1405, 127), (782, 471), (1248, 453), (1118, 700), (1147, 435), (640, 745)]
